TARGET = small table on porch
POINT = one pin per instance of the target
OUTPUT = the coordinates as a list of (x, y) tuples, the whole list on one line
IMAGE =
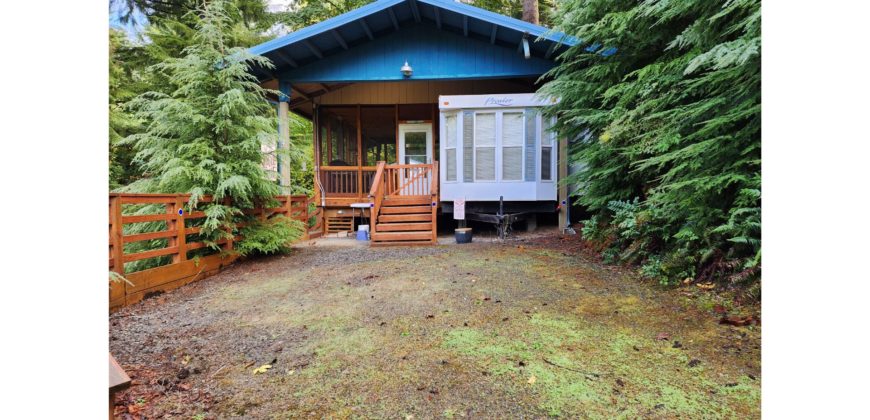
[(361, 207)]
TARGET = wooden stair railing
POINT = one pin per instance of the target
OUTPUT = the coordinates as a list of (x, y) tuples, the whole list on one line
[(377, 195), (433, 191)]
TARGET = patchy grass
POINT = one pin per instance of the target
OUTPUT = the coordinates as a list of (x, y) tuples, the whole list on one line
[(484, 330)]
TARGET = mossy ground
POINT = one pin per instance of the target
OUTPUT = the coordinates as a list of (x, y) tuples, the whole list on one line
[(484, 330)]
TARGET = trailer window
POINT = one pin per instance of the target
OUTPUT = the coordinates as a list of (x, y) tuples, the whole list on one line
[(450, 146), (547, 141), (512, 146), (484, 147)]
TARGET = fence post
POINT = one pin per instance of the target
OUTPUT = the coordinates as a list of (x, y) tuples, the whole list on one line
[(172, 224), (229, 245), (181, 237), (117, 234), (304, 216)]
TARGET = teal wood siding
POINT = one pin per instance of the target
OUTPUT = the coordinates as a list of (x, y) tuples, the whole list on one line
[(432, 53)]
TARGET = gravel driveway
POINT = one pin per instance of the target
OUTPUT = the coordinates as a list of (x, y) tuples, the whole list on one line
[(530, 329)]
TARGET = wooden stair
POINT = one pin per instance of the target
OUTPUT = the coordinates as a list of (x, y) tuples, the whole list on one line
[(405, 199), (405, 220)]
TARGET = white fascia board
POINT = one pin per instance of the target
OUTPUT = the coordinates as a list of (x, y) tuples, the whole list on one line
[(508, 100)]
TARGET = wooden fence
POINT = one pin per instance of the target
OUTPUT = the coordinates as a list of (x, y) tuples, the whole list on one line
[(181, 269)]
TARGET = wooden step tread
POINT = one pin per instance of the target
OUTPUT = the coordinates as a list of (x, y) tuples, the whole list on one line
[(398, 227), (406, 209), (387, 218), (407, 200), (403, 243), (401, 236)]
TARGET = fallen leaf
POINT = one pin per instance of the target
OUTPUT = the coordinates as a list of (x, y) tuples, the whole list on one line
[(663, 336), (705, 286), (532, 379), (687, 280), (262, 369)]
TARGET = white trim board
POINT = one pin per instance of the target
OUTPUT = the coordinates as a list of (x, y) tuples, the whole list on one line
[(494, 101)]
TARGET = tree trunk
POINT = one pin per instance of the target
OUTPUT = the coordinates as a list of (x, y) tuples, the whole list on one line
[(530, 11)]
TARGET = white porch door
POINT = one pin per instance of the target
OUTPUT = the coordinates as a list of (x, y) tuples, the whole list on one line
[(415, 143), (415, 147)]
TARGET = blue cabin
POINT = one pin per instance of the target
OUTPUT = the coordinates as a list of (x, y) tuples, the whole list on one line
[(421, 108)]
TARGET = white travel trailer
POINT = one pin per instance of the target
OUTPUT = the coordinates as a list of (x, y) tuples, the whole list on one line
[(497, 152)]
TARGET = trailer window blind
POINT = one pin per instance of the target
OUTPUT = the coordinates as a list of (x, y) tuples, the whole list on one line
[(484, 147), (450, 146), (512, 146), (468, 146), (547, 142), (531, 132)]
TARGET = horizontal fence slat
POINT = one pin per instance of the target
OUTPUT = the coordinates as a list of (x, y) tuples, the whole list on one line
[(150, 254), (148, 200), (197, 245), (149, 235), (146, 218)]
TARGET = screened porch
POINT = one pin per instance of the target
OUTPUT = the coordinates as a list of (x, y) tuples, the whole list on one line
[(350, 140)]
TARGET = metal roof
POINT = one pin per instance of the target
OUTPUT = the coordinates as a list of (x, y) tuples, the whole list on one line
[(331, 37)]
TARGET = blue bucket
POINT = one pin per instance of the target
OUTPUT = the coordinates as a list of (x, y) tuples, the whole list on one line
[(362, 234)]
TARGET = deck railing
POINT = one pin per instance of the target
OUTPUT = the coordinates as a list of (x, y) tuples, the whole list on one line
[(175, 225), (346, 181)]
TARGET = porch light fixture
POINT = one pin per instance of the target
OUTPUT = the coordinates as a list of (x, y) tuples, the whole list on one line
[(406, 69)]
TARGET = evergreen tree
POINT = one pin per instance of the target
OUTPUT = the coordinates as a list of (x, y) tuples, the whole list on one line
[(665, 101), (204, 137), (121, 89)]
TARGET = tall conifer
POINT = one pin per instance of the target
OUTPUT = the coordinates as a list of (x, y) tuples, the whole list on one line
[(205, 136)]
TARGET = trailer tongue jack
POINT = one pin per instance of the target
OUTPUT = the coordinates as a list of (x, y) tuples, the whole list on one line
[(501, 220)]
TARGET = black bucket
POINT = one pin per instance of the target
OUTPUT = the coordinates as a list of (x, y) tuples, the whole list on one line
[(463, 235)]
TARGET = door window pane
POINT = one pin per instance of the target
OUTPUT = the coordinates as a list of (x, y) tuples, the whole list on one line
[(415, 147)]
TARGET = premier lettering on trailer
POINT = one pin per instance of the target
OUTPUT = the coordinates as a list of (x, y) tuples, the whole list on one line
[(498, 101), (508, 100)]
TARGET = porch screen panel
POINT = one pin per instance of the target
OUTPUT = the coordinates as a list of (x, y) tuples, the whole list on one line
[(512, 146), (378, 125), (468, 146), (450, 146), (484, 147), (531, 133), (341, 140)]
